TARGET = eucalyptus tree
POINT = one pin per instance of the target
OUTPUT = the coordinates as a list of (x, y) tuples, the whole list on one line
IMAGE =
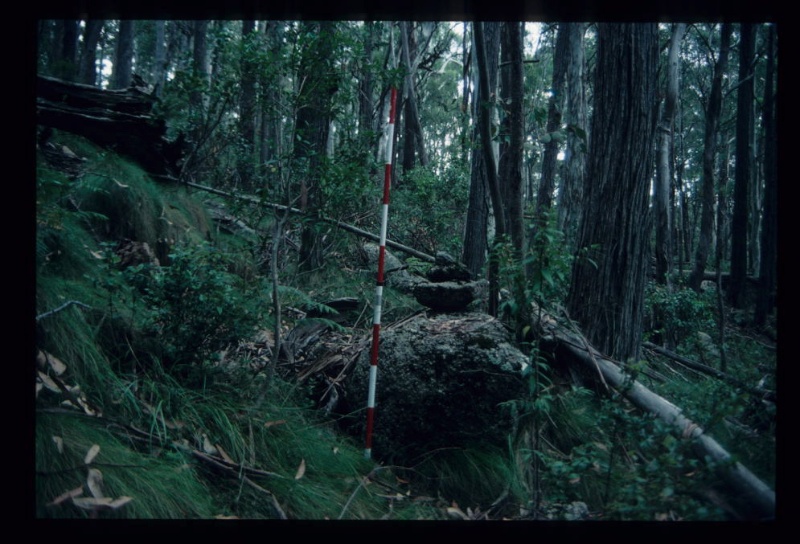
[(247, 103), (744, 165), (512, 132), (555, 107), (319, 83), (606, 295), (477, 217), (87, 63), (766, 296), (490, 161), (712, 115), (123, 58), (663, 180), (571, 188)]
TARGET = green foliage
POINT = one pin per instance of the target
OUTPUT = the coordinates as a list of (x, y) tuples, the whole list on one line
[(414, 219), (195, 307), (682, 311)]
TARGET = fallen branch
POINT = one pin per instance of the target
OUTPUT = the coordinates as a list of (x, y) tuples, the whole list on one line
[(62, 307), (713, 372), (761, 499), (344, 226)]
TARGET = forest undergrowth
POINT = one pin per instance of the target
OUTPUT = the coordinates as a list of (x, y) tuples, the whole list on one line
[(146, 408)]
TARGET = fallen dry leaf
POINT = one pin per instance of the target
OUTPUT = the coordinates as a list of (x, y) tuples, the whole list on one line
[(272, 423), (456, 512), (224, 455), (39, 387), (45, 360), (59, 443), (208, 447), (220, 516), (120, 501), (91, 454), (48, 382), (68, 495), (92, 503), (94, 481), (301, 470)]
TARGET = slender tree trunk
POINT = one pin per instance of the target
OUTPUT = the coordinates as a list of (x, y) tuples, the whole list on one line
[(514, 127), (713, 109), (247, 106), (607, 298), (68, 58), (766, 297), (476, 224), (744, 168), (123, 60), (87, 68), (200, 60), (547, 183), (663, 216), (570, 193), (160, 58), (413, 126), (313, 123), (484, 122)]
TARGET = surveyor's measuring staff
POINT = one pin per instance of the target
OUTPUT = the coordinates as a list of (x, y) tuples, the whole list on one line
[(376, 320)]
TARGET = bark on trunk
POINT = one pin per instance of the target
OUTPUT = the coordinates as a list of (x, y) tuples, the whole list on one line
[(766, 297), (744, 170), (709, 153), (484, 122), (663, 215), (544, 198), (476, 223), (571, 191), (513, 127), (607, 299)]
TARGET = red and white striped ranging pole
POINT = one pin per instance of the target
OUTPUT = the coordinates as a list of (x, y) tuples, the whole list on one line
[(376, 320)]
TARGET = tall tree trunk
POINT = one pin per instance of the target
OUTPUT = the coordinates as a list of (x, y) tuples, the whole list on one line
[(607, 298), (766, 296), (123, 60), (547, 183), (411, 118), (272, 118), (476, 224), (200, 60), (366, 102), (247, 106), (663, 215), (160, 58), (713, 109), (513, 126), (68, 52), (484, 123), (570, 193), (744, 168), (87, 67), (313, 123)]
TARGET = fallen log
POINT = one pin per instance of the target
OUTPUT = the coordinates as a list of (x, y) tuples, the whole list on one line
[(117, 119), (759, 496)]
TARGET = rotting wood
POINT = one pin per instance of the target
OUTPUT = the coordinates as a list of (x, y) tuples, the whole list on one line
[(760, 497)]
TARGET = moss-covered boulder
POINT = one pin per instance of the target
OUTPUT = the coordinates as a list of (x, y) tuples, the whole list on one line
[(442, 380)]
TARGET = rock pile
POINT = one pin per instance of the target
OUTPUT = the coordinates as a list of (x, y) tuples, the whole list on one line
[(449, 286)]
